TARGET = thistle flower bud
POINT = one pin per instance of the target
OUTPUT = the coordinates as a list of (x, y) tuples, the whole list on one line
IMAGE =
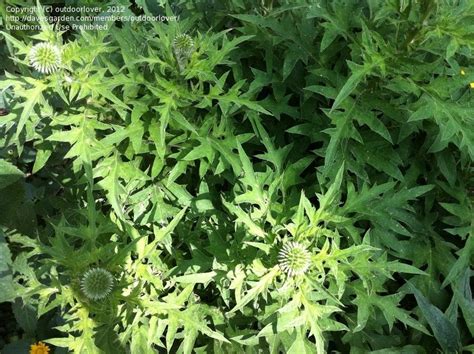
[(183, 46), (45, 57), (97, 283), (294, 259)]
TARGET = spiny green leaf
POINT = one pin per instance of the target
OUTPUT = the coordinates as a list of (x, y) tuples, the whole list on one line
[(445, 332)]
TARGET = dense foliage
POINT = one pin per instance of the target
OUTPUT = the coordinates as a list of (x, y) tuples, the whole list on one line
[(256, 177)]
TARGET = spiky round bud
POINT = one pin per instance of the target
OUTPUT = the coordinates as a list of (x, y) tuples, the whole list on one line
[(183, 45), (294, 259), (97, 283), (45, 57)]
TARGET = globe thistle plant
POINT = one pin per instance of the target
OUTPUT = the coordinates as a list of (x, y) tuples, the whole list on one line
[(294, 259), (45, 57), (97, 283)]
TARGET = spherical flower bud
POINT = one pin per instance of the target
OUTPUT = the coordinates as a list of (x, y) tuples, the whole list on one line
[(45, 57), (183, 45), (97, 283), (294, 259)]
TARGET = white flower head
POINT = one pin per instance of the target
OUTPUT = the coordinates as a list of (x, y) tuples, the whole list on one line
[(294, 259), (97, 283), (45, 57)]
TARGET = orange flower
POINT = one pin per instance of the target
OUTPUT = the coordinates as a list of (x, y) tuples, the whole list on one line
[(39, 348)]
